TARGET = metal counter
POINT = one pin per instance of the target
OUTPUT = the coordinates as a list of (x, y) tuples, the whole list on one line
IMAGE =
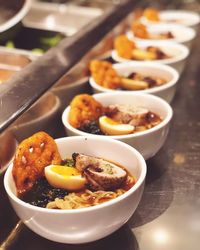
[(168, 216)]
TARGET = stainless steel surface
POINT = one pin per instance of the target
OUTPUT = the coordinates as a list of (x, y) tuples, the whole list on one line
[(16, 57), (59, 17), (6, 74), (40, 117), (13, 59), (8, 145), (40, 75)]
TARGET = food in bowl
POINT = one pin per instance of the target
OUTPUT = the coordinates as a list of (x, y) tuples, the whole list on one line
[(172, 54), (153, 16), (87, 224), (90, 116), (161, 32), (44, 179), (147, 142), (127, 49), (106, 76), (140, 30)]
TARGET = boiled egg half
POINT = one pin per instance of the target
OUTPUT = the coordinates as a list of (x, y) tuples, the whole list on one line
[(65, 177), (111, 127)]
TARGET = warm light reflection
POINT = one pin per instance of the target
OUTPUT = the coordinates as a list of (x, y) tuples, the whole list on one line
[(161, 236), (50, 20)]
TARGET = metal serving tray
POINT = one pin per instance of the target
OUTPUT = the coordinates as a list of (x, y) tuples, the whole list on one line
[(67, 19), (15, 59)]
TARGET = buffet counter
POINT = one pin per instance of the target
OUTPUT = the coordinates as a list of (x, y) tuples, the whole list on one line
[(168, 214)]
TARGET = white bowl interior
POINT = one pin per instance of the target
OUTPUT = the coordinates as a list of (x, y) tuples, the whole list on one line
[(153, 104), (166, 91), (177, 52), (178, 32), (187, 18), (147, 69)]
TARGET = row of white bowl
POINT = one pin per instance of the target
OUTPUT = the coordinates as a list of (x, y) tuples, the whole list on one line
[(150, 141), (92, 223)]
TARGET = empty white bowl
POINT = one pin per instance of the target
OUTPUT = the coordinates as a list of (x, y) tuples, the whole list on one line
[(178, 53), (182, 17), (182, 34), (165, 91), (91, 223), (147, 142)]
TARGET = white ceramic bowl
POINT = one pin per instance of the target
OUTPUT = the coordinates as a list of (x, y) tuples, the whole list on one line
[(182, 34), (166, 91), (85, 224), (178, 53), (182, 17), (147, 142)]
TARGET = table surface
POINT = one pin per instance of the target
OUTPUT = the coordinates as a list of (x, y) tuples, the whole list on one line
[(168, 216)]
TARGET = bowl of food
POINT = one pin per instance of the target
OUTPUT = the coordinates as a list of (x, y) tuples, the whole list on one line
[(161, 32), (75, 189), (140, 77), (172, 54), (151, 16), (140, 120)]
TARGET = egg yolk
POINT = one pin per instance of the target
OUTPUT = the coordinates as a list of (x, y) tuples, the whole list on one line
[(110, 121), (65, 171)]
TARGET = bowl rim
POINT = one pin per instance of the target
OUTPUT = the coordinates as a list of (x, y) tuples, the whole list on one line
[(191, 33), (162, 124), (16, 18), (182, 48), (138, 184), (166, 68), (194, 20)]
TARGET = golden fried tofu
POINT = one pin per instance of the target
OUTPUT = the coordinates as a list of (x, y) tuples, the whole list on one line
[(104, 74), (84, 108), (32, 156), (151, 14), (124, 46)]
